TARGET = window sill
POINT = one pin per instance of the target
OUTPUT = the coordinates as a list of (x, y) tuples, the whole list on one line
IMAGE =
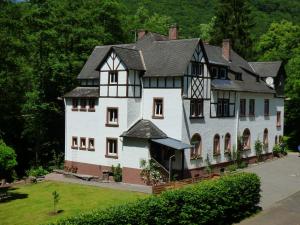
[(82, 110), (278, 126), (81, 148), (244, 115), (74, 147), (91, 149), (111, 125), (75, 110), (91, 110), (196, 117), (157, 117), (111, 156)]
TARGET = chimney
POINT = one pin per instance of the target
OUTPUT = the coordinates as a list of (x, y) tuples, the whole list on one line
[(141, 34), (226, 46), (173, 32)]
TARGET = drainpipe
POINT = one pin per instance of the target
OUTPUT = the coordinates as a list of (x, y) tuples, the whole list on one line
[(237, 119), (170, 164)]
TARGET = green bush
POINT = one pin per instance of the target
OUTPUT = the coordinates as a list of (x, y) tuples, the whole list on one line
[(117, 173), (8, 161), (36, 172), (222, 201), (232, 168)]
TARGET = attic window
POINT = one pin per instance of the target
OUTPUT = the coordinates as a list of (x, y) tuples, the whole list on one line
[(113, 77), (214, 72), (223, 73), (238, 76)]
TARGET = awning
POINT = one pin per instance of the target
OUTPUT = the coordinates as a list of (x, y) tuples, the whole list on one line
[(172, 143)]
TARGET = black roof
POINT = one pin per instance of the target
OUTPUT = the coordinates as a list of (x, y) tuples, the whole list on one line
[(144, 129), (83, 92), (160, 57), (266, 69)]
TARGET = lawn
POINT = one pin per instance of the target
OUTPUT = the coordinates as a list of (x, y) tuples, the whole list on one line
[(32, 203)]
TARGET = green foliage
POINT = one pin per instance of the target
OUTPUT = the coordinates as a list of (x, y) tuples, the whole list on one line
[(232, 167), (258, 146), (223, 201), (150, 173), (36, 172), (7, 161), (56, 198), (208, 167), (117, 172), (276, 150)]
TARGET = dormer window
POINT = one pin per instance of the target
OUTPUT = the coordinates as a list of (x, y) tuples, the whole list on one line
[(113, 77), (214, 72), (196, 68), (223, 73), (238, 76)]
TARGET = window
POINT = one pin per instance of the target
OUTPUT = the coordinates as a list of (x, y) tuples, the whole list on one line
[(158, 108), (246, 139), (83, 104), (74, 143), (196, 150), (276, 140), (223, 107), (217, 144), (227, 144), (112, 148), (278, 119), (196, 109), (74, 104), (266, 107), (82, 143), (265, 140), (243, 107), (113, 77), (92, 105), (238, 76), (223, 74), (214, 71), (196, 68), (251, 107), (112, 117), (91, 144)]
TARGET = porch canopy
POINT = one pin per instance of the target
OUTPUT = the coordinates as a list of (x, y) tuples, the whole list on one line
[(172, 143)]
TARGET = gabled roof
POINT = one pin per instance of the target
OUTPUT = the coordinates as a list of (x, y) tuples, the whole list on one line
[(132, 58), (83, 92), (266, 69), (144, 129)]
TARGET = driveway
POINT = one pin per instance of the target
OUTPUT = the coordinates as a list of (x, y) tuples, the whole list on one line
[(280, 200), (279, 179)]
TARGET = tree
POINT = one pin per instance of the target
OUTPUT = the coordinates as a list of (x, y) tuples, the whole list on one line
[(7, 161), (234, 21)]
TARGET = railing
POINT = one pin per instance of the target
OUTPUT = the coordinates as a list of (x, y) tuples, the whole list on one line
[(164, 171)]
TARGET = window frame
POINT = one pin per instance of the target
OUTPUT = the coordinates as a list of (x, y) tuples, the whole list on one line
[(81, 146), (243, 106), (83, 109), (227, 143), (278, 119), (108, 122), (199, 68), (221, 107), (214, 75), (89, 144), (196, 153), (266, 139), (154, 115), (246, 146), (72, 144), (194, 103), (76, 105), (116, 77), (108, 154), (91, 106), (266, 107), (252, 107), (216, 147), (220, 73)]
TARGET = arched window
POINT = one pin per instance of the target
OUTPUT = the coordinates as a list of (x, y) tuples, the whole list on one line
[(280, 139), (216, 144), (266, 139), (276, 140), (196, 142), (227, 144), (246, 139)]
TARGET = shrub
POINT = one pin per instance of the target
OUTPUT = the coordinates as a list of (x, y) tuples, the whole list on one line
[(117, 173), (36, 172), (223, 201), (7, 161), (56, 198), (258, 149), (276, 150), (232, 168)]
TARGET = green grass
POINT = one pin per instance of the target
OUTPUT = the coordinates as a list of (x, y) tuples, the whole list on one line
[(33, 202)]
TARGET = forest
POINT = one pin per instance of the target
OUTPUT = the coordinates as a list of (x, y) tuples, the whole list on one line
[(45, 43)]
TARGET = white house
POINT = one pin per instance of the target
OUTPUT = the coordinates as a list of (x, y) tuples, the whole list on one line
[(162, 98)]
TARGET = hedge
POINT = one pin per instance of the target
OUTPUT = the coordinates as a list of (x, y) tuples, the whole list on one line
[(223, 201)]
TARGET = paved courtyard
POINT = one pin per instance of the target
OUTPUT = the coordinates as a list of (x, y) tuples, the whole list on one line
[(280, 192)]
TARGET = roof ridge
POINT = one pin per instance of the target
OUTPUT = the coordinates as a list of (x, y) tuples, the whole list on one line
[(124, 48), (176, 40), (277, 61)]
